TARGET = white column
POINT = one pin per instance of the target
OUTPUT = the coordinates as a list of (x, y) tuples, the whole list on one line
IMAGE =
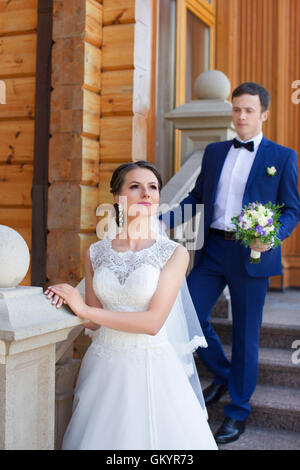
[(30, 327)]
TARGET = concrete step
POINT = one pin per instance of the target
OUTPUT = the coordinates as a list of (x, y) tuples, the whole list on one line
[(272, 407), (255, 438), (276, 367), (271, 335)]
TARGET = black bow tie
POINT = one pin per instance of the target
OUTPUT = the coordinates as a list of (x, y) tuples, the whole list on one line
[(248, 145)]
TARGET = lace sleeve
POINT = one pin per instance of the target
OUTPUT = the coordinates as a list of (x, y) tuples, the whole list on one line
[(166, 249), (96, 251)]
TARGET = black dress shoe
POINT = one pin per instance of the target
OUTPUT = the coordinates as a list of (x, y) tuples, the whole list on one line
[(230, 431), (213, 393)]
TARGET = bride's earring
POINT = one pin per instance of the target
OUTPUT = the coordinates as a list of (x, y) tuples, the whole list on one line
[(120, 216)]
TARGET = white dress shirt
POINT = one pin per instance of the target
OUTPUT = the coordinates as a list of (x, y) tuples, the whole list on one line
[(232, 184)]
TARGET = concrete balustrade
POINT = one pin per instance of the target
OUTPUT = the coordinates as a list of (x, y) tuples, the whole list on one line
[(207, 119), (30, 329)]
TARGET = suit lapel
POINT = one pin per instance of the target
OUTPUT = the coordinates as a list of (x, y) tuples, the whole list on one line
[(219, 167), (259, 157)]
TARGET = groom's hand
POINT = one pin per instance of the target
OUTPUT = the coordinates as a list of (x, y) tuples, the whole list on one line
[(258, 246)]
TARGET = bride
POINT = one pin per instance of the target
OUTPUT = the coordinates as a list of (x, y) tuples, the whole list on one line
[(136, 389)]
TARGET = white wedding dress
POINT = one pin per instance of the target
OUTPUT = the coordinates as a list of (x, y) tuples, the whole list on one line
[(132, 391)]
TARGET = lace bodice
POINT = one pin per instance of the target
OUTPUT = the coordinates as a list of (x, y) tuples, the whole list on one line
[(126, 281)]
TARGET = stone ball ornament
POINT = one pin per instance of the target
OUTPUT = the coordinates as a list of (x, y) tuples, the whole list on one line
[(212, 85), (14, 257)]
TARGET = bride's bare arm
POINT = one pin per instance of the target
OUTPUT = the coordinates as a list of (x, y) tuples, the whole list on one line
[(150, 321), (90, 297)]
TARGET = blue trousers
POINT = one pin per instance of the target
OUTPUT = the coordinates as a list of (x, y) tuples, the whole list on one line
[(221, 265)]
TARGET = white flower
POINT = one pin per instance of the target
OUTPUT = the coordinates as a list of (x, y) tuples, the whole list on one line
[(247, 219), (261, 208), (271, 171), (253, 213), (263, 221), (261, 211), (247, 224)]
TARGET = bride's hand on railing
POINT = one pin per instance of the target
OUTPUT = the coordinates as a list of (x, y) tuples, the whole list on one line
[(64, 293), (57, 300)]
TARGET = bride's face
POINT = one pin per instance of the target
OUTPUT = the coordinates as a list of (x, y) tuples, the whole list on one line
[(139, 194)]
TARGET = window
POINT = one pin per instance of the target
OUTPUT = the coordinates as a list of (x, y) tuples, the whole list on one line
[(195, 22), (197, 58), (165, 86), (185, 48)]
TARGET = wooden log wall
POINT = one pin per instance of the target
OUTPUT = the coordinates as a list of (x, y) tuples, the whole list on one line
[(75, 131), (18, 26), (100, 108), (100, 104), (258, 40), (125, 93)]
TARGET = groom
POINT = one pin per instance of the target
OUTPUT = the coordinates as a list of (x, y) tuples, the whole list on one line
[(233, 174)]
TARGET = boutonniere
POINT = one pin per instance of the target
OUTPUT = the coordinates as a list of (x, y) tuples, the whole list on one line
[(271, 171)]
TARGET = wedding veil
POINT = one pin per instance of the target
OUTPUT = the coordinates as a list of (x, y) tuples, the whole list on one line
[(183, 328)]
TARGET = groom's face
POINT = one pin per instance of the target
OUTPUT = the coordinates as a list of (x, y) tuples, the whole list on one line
[(248, 116)]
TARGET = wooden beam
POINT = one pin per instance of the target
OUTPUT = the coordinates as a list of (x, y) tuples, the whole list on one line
[(39, 192)]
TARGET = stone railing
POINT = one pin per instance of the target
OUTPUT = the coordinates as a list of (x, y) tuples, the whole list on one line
[(34, 337), (30, 329)]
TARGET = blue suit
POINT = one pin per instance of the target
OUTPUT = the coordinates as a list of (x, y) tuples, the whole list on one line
[(225, 262)]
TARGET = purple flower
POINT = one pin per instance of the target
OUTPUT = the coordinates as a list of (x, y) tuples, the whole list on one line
[(270, 222), (260, 230)]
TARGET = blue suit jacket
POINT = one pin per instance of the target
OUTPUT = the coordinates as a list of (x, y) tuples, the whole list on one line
[(260, 187)]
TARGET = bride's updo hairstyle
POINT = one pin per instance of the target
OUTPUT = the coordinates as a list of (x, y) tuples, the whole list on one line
[(118, 178)]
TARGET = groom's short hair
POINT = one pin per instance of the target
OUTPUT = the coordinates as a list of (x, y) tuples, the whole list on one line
[(251, 88)]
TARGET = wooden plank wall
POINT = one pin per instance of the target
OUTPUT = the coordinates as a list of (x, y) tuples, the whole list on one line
[(18, 26), (99, 117), (259, 41), (117, 89), (100, 108), (75, 130), (125, 93)]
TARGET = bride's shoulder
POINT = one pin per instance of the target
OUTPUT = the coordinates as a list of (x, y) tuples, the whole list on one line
[(97, 246), (166, 243), (166, 248), (96, 251)]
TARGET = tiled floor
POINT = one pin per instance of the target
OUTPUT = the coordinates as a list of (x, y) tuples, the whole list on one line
[(282, 307)]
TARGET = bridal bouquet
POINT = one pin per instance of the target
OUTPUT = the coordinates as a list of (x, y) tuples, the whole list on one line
[(258, 222)]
